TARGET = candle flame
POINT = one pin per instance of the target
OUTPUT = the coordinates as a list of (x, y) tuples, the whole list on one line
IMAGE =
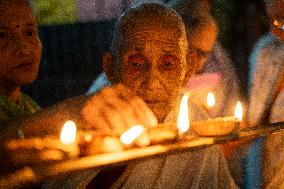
[(239, 111), (88, 137), (68, 132), (278, 24), (210, 100), (183, 116), (131, 134)]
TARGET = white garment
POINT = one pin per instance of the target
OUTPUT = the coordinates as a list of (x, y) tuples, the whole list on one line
[(267, 71), (198, 168)]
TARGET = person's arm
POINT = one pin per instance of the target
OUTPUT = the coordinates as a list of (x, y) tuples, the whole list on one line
[(113, 109), (48, 121)]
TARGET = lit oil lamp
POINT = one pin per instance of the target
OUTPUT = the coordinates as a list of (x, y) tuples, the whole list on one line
[(165, 132), (94, 143), (48, 148), (68, 139), (218, 126)]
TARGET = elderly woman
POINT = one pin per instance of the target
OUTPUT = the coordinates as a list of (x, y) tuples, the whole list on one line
[(150, 56), (215, 73)]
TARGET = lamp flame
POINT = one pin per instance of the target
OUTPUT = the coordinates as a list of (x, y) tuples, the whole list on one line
[(131, 134), (210, 100), (239, 111), (68, 133), (88, 137), (183, 116)]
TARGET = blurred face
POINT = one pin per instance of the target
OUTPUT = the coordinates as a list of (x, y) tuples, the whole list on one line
[(203, 42), (275, 9), (153, 65), (20, 47), (280, 8), (276, 13)]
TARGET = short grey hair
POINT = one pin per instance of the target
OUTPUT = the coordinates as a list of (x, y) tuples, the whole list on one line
[(141, 15)]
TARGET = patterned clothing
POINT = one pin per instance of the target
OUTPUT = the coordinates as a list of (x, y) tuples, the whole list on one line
[(10, 111)]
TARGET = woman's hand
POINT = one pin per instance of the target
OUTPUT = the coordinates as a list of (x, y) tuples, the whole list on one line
[(115, 109)]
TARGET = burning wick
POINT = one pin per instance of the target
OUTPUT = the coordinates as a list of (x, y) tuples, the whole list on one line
[(131, 134), (183, 116), (68, 139), (68, 133), (210, 100), (88, 137), (278, 24), (239, 112)]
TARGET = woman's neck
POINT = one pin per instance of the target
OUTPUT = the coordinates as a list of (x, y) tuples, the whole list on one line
[(12, 92)]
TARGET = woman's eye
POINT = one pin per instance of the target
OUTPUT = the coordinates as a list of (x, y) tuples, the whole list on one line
[(137, 61), (135, 64), (29, 33), (168, 64)]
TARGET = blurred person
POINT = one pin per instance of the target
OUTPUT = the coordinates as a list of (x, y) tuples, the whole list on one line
[(19, 59), (19, 64), (215, 72), (266, 156), (20, 115)]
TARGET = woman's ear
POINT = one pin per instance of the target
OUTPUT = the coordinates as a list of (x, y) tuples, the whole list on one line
[(108, 65), (192, 64)]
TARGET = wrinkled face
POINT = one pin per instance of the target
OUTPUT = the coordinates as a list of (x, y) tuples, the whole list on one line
[(153, 65), (20, 47)]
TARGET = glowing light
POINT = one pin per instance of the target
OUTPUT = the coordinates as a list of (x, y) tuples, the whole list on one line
[(88, 137), (183, 116), (210, 100), (275, 23), (68, 132), (239, 111), (131, 134)]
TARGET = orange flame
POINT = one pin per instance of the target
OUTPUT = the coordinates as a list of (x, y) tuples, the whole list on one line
[(239, 111), (131, 134), (183, 116), (210, 100), (68, 133)]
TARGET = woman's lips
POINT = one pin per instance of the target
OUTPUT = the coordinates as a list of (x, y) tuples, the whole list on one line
[(25, 65)]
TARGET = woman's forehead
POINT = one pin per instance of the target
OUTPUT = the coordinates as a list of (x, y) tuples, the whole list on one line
[(166, 38), (16, 15)]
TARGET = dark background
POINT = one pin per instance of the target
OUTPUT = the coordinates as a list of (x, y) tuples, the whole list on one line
[(72, 53)]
